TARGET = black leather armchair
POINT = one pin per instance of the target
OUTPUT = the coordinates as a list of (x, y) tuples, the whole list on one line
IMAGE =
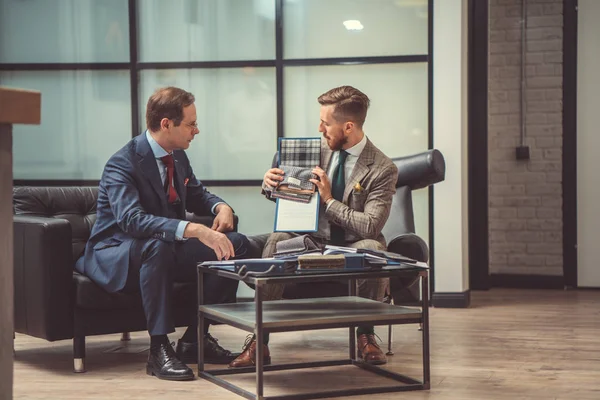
[(54, 302), (414, 172)]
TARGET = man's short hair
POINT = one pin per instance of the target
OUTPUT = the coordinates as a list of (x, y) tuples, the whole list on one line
[(167, 102), (350, 104)]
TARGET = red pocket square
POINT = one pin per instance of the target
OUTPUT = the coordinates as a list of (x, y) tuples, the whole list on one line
[(185, 181)]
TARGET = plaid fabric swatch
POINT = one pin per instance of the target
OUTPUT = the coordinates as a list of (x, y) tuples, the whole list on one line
[(300, 152)]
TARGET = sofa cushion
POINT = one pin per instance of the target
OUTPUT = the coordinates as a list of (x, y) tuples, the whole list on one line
[(90, 296), (75, 204)]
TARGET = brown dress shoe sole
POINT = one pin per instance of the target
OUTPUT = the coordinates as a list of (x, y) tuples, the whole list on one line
[(372, 362), (266, 361)]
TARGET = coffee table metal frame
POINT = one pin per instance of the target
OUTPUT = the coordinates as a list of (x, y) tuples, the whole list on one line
[(259, 318)]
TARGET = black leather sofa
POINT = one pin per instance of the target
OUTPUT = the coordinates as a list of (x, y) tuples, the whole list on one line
[(54, 302)]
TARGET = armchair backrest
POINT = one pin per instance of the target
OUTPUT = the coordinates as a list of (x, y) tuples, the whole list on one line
[(420, 170), (75, 204), (414, 172)]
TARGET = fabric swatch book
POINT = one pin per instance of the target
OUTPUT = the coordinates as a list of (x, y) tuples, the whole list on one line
[(297, 157), (297, 198)]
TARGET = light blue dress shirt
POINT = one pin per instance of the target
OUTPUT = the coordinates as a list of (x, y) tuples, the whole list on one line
[(162, 169)]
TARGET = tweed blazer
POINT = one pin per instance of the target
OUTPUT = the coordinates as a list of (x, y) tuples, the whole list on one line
[(367, 198)]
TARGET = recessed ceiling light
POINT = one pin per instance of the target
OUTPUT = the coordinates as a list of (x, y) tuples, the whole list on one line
[(353, 25)]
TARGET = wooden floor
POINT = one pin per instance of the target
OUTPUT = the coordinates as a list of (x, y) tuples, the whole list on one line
[(511, 344)]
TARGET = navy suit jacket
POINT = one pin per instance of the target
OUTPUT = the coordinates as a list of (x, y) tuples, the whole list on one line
[(132, 204)]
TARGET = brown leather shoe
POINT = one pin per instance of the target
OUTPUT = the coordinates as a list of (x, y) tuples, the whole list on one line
[(248, 356), (369, 350)]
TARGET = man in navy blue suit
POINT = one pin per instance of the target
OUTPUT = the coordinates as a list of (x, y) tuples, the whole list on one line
[(141, 241)]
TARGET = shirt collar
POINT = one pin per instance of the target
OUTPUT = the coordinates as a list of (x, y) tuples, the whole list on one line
[(358, 147), (156, 148)]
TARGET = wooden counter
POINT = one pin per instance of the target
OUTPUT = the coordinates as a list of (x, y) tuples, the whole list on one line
[(16, 107)]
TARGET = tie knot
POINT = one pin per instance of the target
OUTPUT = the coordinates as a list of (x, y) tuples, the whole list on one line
[(168, 160), (343, 155)]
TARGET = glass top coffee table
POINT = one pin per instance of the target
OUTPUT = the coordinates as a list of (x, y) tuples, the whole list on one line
[(260, 317)]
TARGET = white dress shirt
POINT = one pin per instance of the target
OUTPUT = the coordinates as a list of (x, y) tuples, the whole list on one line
[(353, 154)]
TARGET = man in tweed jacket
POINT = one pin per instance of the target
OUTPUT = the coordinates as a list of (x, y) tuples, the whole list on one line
[(352, 215)]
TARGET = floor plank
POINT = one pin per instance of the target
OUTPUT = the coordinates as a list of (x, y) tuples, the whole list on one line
[(511, 344)]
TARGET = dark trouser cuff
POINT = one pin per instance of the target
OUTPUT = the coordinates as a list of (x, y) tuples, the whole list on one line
[(365, 330)]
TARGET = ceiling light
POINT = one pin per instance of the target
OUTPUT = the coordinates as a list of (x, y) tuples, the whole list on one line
[(353, 25)]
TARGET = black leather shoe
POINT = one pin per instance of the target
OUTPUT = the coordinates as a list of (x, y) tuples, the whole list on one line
[(187, 352), (164, 364), (213, 353)]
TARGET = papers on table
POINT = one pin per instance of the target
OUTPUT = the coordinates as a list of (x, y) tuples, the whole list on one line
[(292, 216), (331, 249)]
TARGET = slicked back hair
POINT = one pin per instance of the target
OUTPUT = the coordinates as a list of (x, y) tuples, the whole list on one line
[(350, 104)]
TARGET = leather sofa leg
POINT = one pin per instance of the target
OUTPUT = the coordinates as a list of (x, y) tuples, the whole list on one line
[(79, 354), (125, 336)]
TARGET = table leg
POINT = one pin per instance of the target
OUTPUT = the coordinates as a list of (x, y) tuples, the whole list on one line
[(201, 322), (352, 329), (425, 331), (258, 332)]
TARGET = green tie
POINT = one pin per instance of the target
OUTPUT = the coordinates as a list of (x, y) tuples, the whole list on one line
[(337, 191)]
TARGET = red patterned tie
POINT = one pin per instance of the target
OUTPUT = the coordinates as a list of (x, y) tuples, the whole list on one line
[(168, 160)]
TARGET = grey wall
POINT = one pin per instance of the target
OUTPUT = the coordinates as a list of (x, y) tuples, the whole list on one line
[(525, 197)]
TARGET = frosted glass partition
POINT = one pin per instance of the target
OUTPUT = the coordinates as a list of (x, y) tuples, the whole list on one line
[(206, 30), (86, 117), (256, 213), (236, 110), (349, 28), (397, 119), (67, 31)]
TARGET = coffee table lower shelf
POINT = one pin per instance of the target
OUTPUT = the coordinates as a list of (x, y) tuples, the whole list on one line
[(311, 314), (408, 383)]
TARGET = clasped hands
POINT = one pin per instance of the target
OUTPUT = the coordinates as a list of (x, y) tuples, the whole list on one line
[(275, 175), (214, 237)]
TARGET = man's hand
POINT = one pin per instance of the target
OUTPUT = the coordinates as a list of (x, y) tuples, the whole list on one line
[(215, 240), (273, 177), (224, 220), (322, 184)]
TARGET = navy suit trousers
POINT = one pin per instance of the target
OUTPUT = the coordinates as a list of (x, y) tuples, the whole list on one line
[(155, 265)]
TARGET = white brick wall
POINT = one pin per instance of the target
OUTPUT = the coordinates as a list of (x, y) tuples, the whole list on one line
[(525, 197)]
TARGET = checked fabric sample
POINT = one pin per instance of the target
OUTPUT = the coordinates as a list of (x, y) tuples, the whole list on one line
[(297, 158), (300, 152)]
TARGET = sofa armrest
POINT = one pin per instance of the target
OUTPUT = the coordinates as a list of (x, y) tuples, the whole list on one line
[(43, 277), (409, 245)]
